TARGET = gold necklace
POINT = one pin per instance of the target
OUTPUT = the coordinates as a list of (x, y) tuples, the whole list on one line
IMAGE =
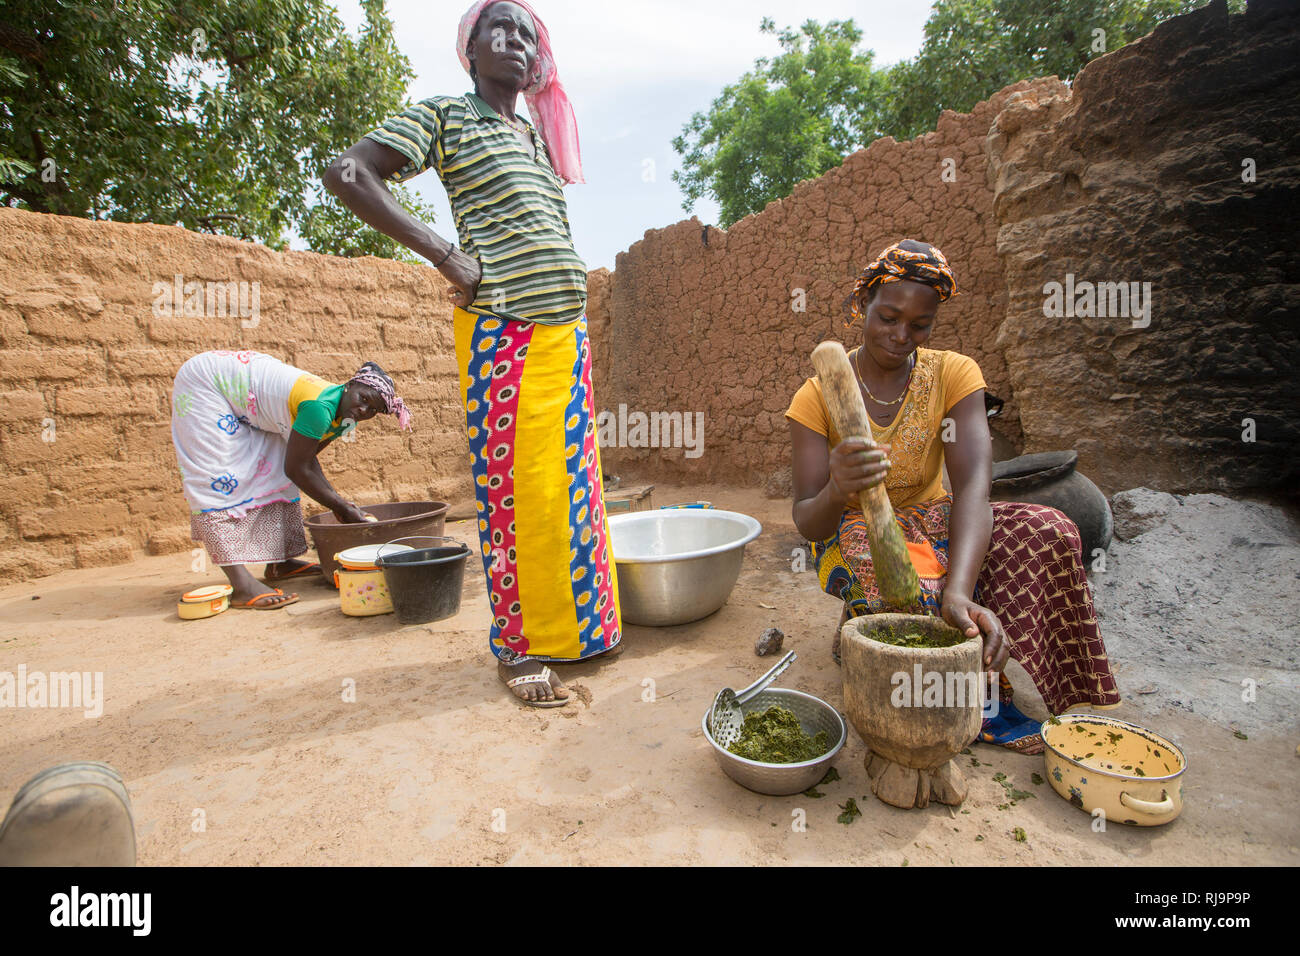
[(857, 370)]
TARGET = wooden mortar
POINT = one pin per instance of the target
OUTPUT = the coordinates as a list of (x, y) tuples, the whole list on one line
[(911, 746)]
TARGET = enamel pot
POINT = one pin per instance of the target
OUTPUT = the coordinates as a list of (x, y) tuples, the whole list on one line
[(1133, 775)]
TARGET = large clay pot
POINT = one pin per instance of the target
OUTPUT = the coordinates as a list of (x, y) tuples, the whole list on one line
[(912, 735), (1049, 478)]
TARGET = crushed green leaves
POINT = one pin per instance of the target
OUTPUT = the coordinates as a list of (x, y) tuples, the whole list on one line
[(775, 736), (910, 638), (830, 776), (1012, 792), (851, 811)]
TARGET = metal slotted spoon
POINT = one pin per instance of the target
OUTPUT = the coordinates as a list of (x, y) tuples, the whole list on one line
[(726, 719)]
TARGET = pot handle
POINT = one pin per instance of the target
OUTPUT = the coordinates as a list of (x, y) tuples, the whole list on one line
[(379, 552), (1166, 804)]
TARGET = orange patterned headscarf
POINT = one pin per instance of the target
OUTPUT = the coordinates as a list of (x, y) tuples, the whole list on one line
[(909, 259)]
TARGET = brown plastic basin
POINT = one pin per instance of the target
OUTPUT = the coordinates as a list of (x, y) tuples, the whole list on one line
[(396, 520)]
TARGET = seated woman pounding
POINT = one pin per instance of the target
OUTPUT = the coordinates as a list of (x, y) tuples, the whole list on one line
[(1008, 571), (247, 429)]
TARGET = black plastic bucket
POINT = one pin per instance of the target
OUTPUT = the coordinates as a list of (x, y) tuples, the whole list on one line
[(425, 584)]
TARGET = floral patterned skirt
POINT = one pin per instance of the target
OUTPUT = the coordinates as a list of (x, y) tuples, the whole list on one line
[(270, 534)]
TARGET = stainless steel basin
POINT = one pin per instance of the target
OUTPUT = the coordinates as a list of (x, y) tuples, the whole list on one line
[(676, 566)]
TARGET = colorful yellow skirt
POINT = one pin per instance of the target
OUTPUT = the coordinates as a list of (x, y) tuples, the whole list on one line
[(531, 424)]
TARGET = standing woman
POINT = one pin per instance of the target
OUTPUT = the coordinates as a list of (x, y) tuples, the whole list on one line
[(247, 429), (1008, 571), (521, 335)]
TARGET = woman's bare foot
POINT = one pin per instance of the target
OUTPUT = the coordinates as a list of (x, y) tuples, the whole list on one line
[(551, 689), (250, 592), (262, 601)]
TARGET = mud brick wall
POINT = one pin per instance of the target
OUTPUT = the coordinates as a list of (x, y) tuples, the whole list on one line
[(598, 332), (703, 319), (1137, 175), (1133, 175), (85, 360)]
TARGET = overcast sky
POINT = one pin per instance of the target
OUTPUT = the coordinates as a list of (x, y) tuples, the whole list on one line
[(635, 70)]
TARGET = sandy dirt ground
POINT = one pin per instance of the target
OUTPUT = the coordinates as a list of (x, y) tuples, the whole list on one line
[(238, 747)]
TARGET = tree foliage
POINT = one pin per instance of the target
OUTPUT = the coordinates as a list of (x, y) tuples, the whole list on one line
[(792, 118), (800, 113), (973, 48), (218, 115)]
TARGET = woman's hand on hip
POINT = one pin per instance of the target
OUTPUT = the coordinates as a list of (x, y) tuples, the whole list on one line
[(464, 273), (971, 619), (856, 466)]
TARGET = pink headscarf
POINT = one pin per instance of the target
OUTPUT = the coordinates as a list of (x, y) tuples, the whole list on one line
[(548, 104), (372, 375)]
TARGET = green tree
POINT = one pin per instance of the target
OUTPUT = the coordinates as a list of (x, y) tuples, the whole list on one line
[(792, 118), (973, 48), (799, 114), (217, 115)]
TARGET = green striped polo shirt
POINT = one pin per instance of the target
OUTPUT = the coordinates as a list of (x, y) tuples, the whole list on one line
[(509, 208)]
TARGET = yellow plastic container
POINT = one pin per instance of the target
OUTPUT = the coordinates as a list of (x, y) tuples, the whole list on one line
[(362, 593), (204, 602), (362, 589)]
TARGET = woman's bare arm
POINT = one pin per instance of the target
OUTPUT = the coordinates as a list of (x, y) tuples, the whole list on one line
[(358, 177), (970, 470), (970, 526), (824, 479), (302, 468)]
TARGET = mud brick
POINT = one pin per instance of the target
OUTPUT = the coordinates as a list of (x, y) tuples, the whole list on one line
[(170, 540), (86, 519), (23, 366), (104, 552)]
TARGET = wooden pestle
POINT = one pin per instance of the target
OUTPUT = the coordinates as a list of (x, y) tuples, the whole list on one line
[(896, 578)]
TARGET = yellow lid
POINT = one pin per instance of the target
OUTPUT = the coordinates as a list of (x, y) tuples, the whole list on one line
[(211, 592)]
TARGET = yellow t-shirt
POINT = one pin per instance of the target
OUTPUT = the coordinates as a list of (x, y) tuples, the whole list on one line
[(939, 381)]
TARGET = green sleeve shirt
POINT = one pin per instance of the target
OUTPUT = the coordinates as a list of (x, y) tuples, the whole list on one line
[(315, 417)]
